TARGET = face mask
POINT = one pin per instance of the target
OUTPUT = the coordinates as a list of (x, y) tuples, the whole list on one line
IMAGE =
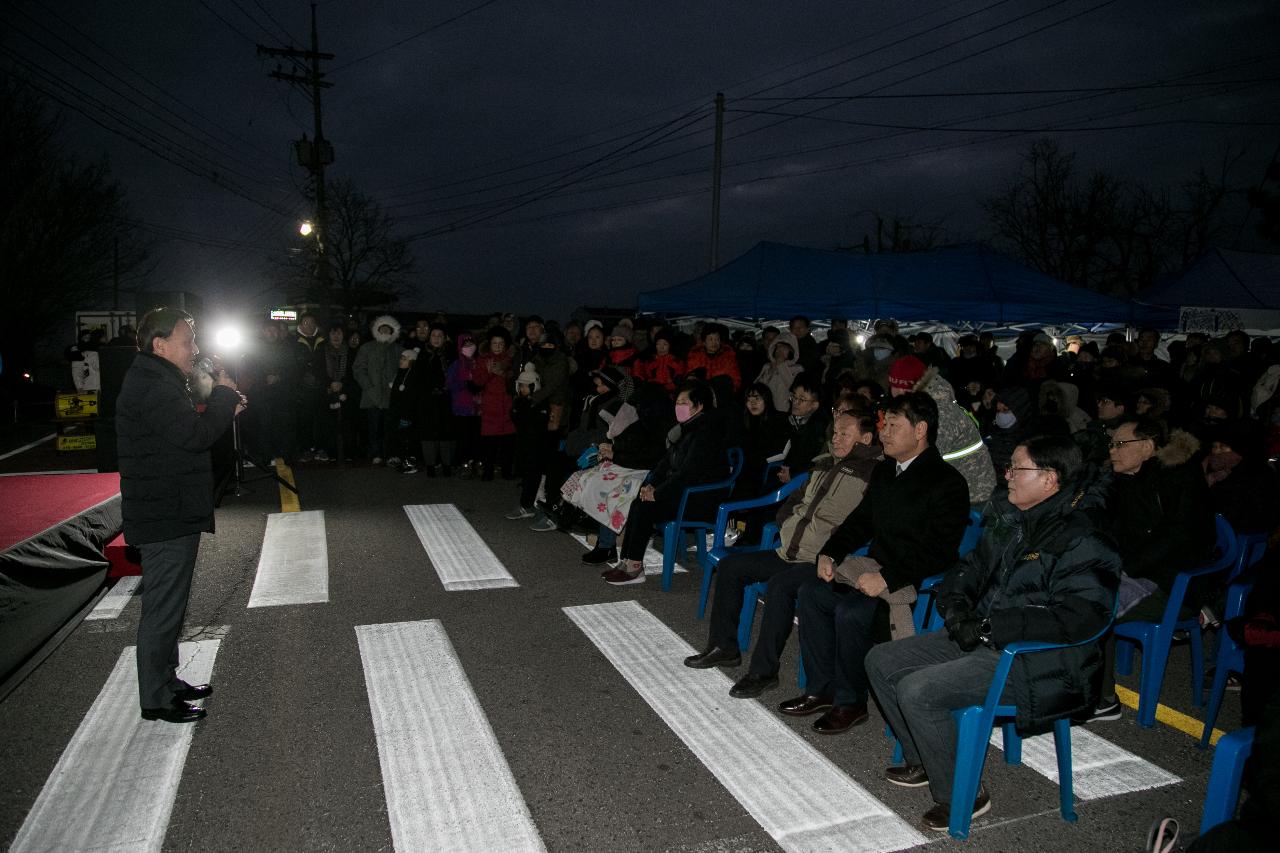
[(881, 354), (684, 411), (469, 350), (1004, 420)]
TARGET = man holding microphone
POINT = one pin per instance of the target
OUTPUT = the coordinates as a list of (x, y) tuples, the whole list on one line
[(166, 488)]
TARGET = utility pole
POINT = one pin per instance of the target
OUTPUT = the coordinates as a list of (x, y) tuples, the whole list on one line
[(313, 154), (715, 183)]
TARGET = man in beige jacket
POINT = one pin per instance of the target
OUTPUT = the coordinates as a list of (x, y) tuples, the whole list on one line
[(836, 484)]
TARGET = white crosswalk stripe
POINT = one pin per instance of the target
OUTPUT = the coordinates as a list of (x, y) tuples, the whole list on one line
[(797, 795), (114, 786), (447, 783), (1099, 768), (113, 603), (461, 558), (294, 565)]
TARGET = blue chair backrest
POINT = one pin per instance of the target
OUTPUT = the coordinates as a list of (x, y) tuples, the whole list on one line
[(972, 533)]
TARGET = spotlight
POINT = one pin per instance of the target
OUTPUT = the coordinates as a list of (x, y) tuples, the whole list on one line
[(861, 339), (228, 339), (305, 228)]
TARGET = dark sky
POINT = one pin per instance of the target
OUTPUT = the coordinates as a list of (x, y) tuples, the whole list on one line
[(587, 128)]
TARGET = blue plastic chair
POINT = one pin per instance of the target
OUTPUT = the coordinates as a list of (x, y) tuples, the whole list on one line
[(974, 725), (924, 615), (1157, 637), (1223, 795), (1230, 658), (673, 531), (1253, 546), (768, 538)]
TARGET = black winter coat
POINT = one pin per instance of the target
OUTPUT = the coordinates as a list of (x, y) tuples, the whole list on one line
[(166, 475), (914, 521), (698, 458), (1162, 517), (1044, 575)]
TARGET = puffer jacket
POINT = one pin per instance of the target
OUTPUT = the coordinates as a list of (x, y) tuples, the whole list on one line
[(834, 489), (1043, 575), (697, 458), (1063, 399), (166, 475), (780, 376), (959, 440), (1162, 516), (376, 364), (723, 363)]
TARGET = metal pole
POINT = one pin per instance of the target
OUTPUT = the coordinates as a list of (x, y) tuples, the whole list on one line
[(322, 214), (715, 183)]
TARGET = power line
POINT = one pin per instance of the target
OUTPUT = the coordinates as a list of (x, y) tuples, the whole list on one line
[(678, 106), (114, 57), (417, 35), (1010, 92), (81, 103), (943, 129), (215, 145), (881, 69), (826, 169)]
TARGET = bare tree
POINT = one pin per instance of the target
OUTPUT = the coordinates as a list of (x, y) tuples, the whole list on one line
[(61, 224), (1100, 231), (900, 234), (369, 265)]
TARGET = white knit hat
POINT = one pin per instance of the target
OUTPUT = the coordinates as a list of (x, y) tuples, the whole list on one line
[(529, 376)]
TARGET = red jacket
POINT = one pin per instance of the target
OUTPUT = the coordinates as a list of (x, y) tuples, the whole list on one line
[(495, 393), (723, 363), (664, 369)]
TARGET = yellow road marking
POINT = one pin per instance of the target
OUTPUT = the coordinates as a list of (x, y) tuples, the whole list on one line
[(288, 499), (1168, 716)]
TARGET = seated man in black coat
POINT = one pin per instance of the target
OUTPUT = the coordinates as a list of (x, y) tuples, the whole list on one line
[(1040, 573), (809, 421), (914, 516)]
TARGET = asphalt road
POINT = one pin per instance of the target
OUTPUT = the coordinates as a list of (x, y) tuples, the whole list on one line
[(287, 759)]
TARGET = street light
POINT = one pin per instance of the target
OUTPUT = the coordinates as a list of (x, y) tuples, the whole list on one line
[(305, 228)]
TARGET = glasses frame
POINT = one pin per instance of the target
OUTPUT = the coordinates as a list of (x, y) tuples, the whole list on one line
[(1010, 468), (1117, 443)]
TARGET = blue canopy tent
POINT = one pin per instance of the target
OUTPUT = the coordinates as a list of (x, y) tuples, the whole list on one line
[(962, 286), (1223, 290)]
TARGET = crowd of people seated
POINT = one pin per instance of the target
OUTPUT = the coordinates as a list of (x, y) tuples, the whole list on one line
[(1097, 469)]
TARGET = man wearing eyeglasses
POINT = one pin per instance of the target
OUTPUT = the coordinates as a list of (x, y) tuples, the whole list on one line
[(1041, 572), (808, 420)]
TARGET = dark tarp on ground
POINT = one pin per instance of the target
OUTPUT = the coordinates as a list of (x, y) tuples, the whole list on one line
[(46, 579), (963, 285)]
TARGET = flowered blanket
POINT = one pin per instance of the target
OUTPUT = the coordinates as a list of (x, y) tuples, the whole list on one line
[(605, 492)]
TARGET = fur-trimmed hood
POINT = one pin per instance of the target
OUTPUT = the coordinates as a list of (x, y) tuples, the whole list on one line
[(790, 340), (385, 320), (1182, 446)]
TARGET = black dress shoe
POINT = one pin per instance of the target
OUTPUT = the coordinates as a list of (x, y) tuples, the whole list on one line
[(907, 775), (599, 556), (803, 706), (938, 818), (178, 712), (714, 656), (750, 686), (840, 719), (192, 692)]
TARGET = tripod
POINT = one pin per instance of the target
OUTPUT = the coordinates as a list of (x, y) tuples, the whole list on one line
[(235, 479)]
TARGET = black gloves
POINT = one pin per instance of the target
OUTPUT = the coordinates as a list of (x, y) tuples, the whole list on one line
[(955, 609), (967, 632)]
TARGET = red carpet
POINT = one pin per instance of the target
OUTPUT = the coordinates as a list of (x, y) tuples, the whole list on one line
[(32, 504)]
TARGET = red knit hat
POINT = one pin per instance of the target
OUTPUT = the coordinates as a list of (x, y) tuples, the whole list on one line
[(906, 372)]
